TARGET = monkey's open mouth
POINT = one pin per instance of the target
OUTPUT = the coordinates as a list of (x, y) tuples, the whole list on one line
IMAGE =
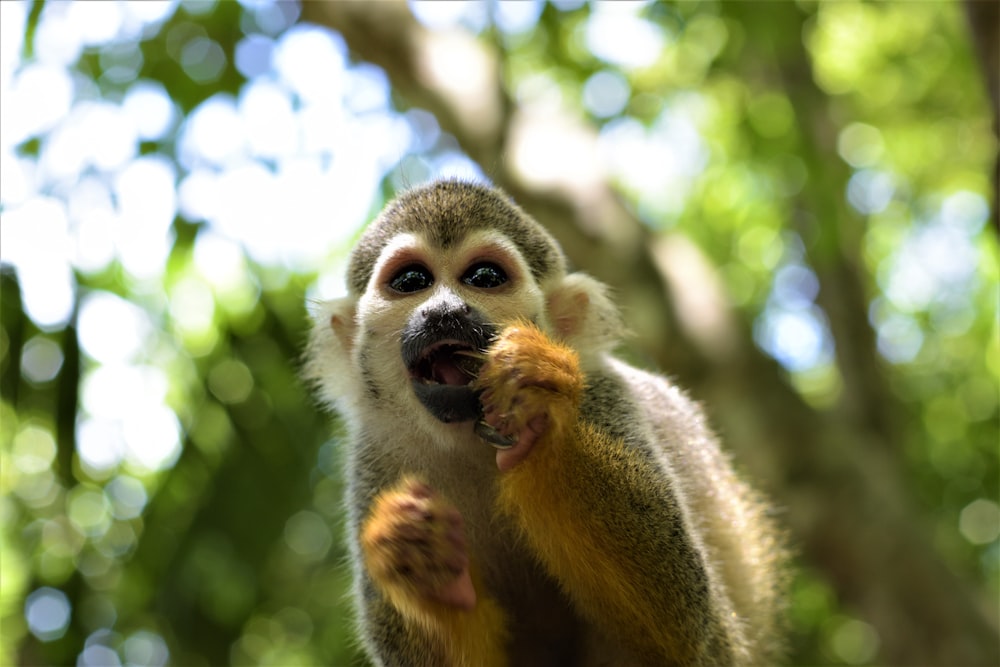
[(441, 373), (447, 362)]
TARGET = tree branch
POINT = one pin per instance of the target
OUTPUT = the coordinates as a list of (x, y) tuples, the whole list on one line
[(984, 23)]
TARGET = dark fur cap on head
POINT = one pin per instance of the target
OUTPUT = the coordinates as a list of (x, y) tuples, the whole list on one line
[(444, 212)]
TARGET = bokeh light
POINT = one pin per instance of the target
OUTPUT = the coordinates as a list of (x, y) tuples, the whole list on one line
[(47, 611)]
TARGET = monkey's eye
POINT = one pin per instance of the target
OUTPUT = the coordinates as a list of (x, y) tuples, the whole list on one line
[(411, 279), (484, 275)]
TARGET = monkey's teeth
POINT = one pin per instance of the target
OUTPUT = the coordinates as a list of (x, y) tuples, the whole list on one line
[(468, 362), (448, 364)]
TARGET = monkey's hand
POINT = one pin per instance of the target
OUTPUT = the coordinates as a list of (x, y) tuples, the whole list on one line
[(531, 388), (414, 545)]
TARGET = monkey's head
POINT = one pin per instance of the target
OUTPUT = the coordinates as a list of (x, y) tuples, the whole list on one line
[(438, 273)]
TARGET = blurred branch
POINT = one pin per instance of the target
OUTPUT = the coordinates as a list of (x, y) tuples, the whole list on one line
[(11, 312), (31, 26), (68, 399), (831, 230), (841, 485), (984, 22)]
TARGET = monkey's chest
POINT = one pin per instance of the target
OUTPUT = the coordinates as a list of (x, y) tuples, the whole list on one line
[(544, 628)]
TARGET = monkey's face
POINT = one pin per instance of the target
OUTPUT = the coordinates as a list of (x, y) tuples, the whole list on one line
[(429, 311)]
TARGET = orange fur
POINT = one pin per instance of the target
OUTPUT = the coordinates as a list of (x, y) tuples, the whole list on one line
[(469, 637), (529, 374), (583, 554)]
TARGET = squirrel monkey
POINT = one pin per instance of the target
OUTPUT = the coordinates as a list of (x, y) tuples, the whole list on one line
[(516, 495)]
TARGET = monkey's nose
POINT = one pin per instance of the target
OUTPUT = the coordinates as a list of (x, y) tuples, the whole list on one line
[(445, 303)]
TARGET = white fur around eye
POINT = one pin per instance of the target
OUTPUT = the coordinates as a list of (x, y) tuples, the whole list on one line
[(403, 250)]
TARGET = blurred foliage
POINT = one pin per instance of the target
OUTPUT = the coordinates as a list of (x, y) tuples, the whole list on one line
[(231, 552)]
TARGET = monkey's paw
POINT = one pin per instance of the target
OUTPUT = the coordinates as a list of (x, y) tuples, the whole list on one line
[(531, 386), (414, 546)]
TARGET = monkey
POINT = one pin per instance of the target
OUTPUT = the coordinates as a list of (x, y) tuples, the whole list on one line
[(515, 493)]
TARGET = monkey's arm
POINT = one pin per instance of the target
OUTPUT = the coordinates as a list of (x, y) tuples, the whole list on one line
[(431, 605), (602, 515)]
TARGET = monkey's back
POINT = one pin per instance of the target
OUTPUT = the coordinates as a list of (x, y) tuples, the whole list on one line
[(742, 547)]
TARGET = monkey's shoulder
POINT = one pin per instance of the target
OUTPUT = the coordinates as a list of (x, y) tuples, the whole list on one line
[(641, 406)]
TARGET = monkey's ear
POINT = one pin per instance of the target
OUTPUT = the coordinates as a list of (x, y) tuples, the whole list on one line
[(583, 315), (338, 315), (328, 354)]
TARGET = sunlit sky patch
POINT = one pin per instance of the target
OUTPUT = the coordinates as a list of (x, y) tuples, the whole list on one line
[(660, 162), (617, 34), (149, 106), (41, 359), (797, 338), (441, 14), (517, 17), (606, 93), (126, 419), (937, 261), (47, 611), (35, 239), (122, 343), (793, 329)]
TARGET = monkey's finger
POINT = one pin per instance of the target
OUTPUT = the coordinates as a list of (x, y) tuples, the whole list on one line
[(494, 437), (415, 488), (459, 592), (511, 456)]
